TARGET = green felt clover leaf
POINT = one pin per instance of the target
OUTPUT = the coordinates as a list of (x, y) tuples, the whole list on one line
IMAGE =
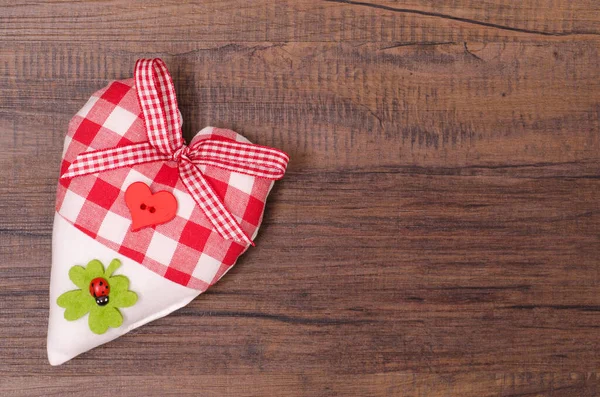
[(79, 302)]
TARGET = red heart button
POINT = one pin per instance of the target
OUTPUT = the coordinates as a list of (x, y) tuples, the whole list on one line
[(149, 209)]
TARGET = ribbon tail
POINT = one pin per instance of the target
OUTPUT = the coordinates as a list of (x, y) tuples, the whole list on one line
[(204, 195), (105, 160)]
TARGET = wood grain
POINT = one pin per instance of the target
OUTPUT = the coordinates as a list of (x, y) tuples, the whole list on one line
[(436, 233)]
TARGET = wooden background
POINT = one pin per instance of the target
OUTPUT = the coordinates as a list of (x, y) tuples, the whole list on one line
[(437, 233)]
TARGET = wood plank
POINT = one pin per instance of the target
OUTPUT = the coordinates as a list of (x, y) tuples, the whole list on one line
[(299, 21), (385, 384)]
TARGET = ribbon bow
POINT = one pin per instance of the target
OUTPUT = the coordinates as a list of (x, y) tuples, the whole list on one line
[(157, 98)]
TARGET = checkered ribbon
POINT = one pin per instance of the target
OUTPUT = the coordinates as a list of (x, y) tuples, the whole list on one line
[(156, 94)]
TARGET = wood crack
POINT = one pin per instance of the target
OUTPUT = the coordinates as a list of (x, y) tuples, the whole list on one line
[(418, 44), (465, 20), (273, 317), (585, 308)]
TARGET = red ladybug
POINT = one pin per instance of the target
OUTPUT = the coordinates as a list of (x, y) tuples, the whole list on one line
[(100, 289)]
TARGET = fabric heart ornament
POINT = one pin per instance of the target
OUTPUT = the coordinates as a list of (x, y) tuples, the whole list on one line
[(139, 211)]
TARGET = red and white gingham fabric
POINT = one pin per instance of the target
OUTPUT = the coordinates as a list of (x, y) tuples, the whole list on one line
[(187, 250)]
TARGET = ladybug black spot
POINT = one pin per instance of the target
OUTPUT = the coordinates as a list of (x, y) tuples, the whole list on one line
[(152, 210), (100, 283), (143, 206)]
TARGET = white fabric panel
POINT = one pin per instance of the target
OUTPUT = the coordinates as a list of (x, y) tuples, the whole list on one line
[(70, 247)]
